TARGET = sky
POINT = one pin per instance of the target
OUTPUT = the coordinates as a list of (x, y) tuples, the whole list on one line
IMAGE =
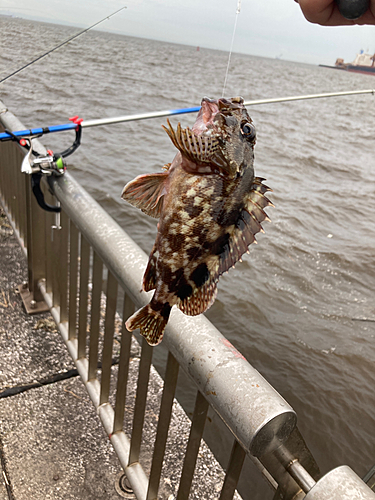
[(268, 28)]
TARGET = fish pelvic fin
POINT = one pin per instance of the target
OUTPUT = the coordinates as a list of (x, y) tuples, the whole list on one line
[(150, 322), (146, 192)]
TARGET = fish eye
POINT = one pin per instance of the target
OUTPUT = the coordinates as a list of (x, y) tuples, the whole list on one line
[(248, 131)]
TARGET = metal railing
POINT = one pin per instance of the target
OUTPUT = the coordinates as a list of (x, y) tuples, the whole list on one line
[(61, 267)]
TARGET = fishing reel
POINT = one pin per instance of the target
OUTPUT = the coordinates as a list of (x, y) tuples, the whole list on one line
[(37, 165), (51, 164)]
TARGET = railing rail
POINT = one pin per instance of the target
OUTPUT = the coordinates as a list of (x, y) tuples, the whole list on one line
[(261, 421)]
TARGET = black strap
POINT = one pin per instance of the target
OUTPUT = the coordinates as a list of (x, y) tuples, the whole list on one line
[(38, 193)]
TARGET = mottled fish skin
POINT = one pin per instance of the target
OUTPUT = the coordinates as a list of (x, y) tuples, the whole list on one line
[(209, 206)]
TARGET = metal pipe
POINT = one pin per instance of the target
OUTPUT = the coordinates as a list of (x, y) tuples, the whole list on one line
[(370, 475), (301, 476), (295, 469), (340, 484)]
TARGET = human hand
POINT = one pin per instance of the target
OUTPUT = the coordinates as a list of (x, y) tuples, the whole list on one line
[(326, 12)]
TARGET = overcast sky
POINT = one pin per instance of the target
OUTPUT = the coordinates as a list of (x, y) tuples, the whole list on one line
[(270, 28)]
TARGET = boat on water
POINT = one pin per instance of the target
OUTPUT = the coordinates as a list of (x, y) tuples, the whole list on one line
[(363, 63)]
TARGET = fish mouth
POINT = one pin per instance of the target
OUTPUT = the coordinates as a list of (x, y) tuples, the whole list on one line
[(210, 108), (206, 115)]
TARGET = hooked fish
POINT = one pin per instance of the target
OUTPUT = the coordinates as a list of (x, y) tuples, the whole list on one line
[(209, 205)]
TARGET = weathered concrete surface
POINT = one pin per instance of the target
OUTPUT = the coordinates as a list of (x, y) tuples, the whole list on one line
[(53, 445)]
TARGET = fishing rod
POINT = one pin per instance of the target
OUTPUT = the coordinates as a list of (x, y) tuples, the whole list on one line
[(53, 164), (144, 116), (60, 45)]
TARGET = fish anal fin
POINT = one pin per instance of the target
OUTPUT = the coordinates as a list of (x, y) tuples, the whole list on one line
[(149, 278), (146, 193), (201, 300)]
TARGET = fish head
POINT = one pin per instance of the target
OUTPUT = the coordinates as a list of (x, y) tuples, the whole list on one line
[(227, 123)]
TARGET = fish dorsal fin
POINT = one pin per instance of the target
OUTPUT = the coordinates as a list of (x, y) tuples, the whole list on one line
[(242, 234), (146, 193), (202, 151), (196, 148), (201, 300)]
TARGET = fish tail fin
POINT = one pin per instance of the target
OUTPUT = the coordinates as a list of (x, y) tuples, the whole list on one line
[(151, 323)]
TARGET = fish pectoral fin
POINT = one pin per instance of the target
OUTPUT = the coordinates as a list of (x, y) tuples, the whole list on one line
[(146, 193), (201, 300)]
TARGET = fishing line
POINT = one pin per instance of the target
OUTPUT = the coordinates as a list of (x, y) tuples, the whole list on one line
[(60, 45), (231, 45)]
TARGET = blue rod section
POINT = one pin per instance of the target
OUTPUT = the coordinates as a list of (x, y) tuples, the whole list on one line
[(185, 110), (69, 126), (40, 130)]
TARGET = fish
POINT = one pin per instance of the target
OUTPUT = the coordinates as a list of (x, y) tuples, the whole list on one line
[(210, 206)]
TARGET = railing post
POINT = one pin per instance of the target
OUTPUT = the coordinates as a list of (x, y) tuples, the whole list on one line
[(34, 217), (36, 254)]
